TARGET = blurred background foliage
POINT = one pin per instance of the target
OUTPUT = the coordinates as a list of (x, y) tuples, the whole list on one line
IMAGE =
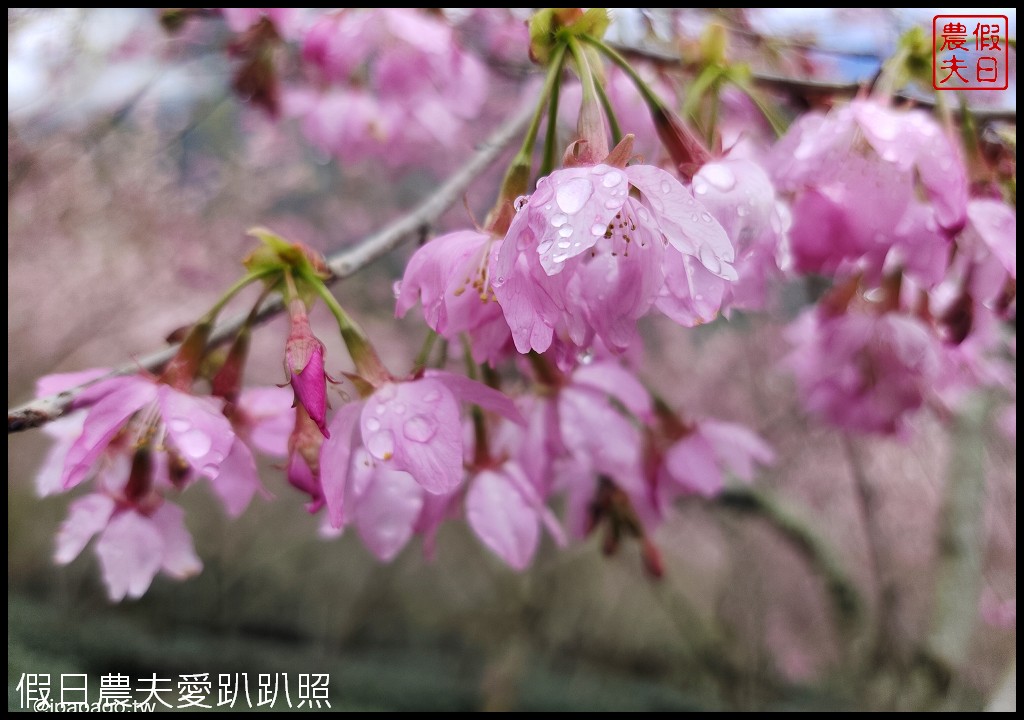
[(133, 174)]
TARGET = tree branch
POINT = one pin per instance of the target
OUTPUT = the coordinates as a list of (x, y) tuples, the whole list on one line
[(342, 264)]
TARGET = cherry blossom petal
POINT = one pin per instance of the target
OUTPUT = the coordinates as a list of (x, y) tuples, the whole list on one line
[(131, 551), (336, 458), (86, 517), (198, 429), (104, 421), (502, 518), (387, 512), (179, 556)]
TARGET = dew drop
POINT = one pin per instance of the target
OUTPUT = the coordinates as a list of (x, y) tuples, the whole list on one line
[(420, 428), (381, 445), (597, 229), (700, 187), (211, 470), (179, 425), (694, 217), (612, 204), (194, 443), (573, 195), (432, 397), (559, 220), (565, 244), (386, 392), (719, 176), (666, 187), (742, 211), (380, 409), (560, 257), (706, 217), (373, 424), (612, 179), (565, 231)]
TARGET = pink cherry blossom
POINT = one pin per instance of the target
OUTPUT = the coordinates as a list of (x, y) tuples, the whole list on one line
[(190, 429), (584, 257), (855, 175), (449, 276), (133, 545), (863, 372), (387, 452), (397, 84), (694, 464), (241, 19)]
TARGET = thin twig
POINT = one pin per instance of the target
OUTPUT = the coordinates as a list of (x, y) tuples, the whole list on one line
[(342, 264)]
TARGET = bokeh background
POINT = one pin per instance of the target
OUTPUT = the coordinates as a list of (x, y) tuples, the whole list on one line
[(133, 174)]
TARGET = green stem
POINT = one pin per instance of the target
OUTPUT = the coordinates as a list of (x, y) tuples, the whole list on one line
[(423, 356), (551, 135), (482, 450), (613, 121), (520, 166), (241, 284), (649, 96), (363, 354)]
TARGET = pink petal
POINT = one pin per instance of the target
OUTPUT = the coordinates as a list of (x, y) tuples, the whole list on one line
[(600, 436), (738, 447), (686, 223), (237, 480), (104, 421), (131, 552), (387, 512), (571, 209), (691, 462), (618, 382), (335, 460), (197, 428), (179, 559), (310, 385), (64, 432), (270, 417), (996, 223), (502, 518), (415, 425), (86, 517), (476, 393), (692, 294)]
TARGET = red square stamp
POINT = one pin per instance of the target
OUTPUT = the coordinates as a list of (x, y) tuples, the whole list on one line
[(970, 52)]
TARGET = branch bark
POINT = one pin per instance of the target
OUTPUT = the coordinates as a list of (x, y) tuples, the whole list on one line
[(342, 264)]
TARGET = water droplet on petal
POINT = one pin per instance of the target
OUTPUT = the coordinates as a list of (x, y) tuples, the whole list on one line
[(381, 445), (565, 231), (194, 443), (396, 289), (706, 217), (700, 187), (694, 217), (179, 425), (544, 247), (560, 258), (386, 391), (565, 244), (420, 428), (380, 409), (719, 176), (573, 195), (432, 397), (598, 229), (612, 204), (612, 179), (558, 220), (666, 187), (373, 424), (742, 211), (211, 469)]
